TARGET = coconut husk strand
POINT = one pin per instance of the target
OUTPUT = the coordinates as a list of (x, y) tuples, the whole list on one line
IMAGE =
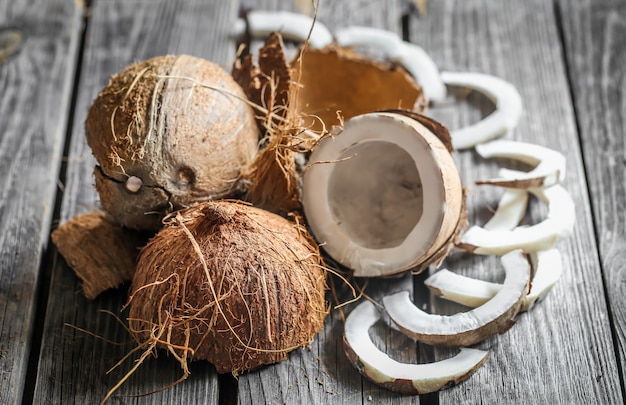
[(101, 252), (228, 283), (168, 132)]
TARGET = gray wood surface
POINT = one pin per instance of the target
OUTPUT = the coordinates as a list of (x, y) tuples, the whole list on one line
[(35, 92), (546, 357), (73, 364), (594, 34), (565, 57)]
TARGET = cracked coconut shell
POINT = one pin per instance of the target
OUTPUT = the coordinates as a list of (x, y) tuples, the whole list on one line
[(166, 133), (228, 283)]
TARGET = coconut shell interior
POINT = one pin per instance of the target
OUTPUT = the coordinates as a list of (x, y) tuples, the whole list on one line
[(333, 81)]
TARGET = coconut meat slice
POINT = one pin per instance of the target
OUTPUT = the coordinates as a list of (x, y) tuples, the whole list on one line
[(402, 377), (558, 224), (463, 290), (383, 195), (412, 57), (472, 292), (504, 95), (511, 209), (293, 26), (549, 164), (466, 328), (548, 269)]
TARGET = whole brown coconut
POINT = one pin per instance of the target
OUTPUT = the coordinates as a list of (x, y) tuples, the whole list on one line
[(168, 132), (228, 283)]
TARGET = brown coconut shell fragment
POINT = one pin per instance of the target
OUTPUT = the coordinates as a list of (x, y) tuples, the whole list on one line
[(231, 284), (168, 132), (101, 252)]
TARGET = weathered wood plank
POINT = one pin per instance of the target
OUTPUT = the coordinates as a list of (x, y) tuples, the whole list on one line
[(561, 352), (73, 363), (35, 96), (594, 34), (323, 374)]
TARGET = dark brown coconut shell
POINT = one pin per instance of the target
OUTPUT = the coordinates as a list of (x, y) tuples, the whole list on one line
[(232, 284), (102, 253), (181, 125)]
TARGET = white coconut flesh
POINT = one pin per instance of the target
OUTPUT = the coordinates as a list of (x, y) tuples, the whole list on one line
[(473, 292), (466, 328), (293, 26), (549, 164), (383, 195), (511, 209), (503, 94), (402, 377), (558, 224), (412, 57)]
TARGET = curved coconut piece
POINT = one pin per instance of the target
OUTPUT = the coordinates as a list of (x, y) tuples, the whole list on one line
[(558, 224), (402, 377), (549, 164), (166, 133), (504, 95), (228, 283), (472, 292), (466, 328), (293, 26), (412, 57), (511, 209), (364, 195), (461, 289)]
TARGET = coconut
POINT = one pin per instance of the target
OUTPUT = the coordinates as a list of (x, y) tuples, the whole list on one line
[(384, 195), (228, 283), (166, 133)]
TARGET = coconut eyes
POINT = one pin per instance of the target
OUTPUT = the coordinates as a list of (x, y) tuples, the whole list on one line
[(133, 184)]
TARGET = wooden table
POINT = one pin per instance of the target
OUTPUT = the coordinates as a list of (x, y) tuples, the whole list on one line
[(567, 60)]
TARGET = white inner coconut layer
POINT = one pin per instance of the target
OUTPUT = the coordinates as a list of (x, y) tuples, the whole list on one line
[(549, 164), (559, 223), (473, 292), (363, 194), (442, 329), (504, 95), (380, 368), (511, 209)]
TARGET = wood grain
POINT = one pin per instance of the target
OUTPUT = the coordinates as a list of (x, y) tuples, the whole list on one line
[(519, 41), (83, 339), (594, 35), (36, 83)]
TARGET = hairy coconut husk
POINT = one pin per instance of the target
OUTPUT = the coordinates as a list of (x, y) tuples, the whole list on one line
[(304, 99), (101, 252), (180, 127), (231, 284)]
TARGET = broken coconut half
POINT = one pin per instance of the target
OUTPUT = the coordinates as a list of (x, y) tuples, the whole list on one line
[(558, 224), (412, 57), (466, 328), (547, 269), (402, 377), (549, 165), (384, 195)]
